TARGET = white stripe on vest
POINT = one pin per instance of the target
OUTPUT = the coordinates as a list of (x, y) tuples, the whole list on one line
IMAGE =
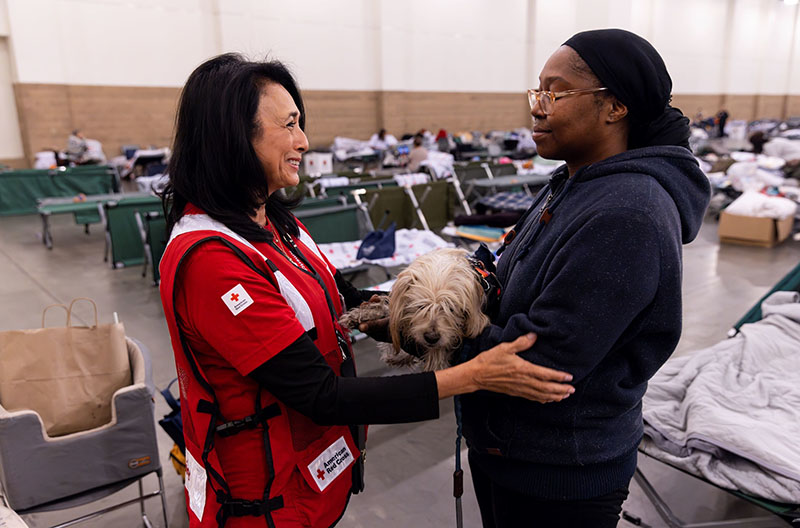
[(201, 222), (310, 244)]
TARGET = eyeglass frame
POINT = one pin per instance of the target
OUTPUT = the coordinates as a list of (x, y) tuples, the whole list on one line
[(534, 96)]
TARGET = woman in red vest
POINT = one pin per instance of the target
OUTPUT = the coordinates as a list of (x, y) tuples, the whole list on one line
[(266, 373)]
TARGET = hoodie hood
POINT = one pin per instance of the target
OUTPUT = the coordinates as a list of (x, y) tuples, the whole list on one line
[(674, 168)]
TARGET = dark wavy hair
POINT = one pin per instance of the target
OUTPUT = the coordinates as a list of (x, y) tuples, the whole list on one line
[(213, 163)]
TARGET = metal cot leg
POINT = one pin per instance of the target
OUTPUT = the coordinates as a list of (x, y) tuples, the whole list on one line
[(460, 194), (672, 521), (417, 208), (47, 239)]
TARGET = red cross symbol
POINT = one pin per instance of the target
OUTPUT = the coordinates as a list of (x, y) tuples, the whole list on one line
[(234, 297), (320, 474)]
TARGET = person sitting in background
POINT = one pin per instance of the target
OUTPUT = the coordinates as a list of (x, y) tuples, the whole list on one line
[(382, 141), (722, 118), (526, 145), (758, 139), (417, 155), (778, 147), (444, 141), (76, 146)]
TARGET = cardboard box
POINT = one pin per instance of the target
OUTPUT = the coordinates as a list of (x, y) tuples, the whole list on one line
[(754, 231), (317, 163)]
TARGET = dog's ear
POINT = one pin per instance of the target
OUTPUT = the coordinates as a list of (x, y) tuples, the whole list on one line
[(475, 320), (399, 290)]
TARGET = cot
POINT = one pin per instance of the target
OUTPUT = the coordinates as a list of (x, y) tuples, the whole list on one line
[(123, 239), (85, 213), (20, 190), (790, 282), (471, 177), (425, 205), (787, 512), (365, 183), (511, 181), (153, 231), (337, 223)]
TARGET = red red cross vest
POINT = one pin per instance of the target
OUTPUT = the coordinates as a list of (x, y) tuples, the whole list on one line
[(311, 469)]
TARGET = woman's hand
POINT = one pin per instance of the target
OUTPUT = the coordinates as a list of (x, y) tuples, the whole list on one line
[(500, 369)]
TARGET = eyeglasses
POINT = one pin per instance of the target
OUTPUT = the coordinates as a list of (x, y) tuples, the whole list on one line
[(547, 99)]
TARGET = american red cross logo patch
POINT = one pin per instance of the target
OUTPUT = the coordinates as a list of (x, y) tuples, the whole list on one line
[(237, 299), (330, 464)]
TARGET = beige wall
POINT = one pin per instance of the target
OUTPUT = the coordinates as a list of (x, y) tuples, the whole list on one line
[(331, 113), (691, 104), (739, 106), (113, 115), (407, 112), (119, 115), (793, 105)]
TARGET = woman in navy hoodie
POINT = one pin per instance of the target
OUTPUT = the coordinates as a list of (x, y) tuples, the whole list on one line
[(594, 269)]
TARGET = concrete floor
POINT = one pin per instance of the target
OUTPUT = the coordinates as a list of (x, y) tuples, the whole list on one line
[(409, 467)]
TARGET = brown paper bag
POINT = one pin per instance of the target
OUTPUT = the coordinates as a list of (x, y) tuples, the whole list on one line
[(67, 375)]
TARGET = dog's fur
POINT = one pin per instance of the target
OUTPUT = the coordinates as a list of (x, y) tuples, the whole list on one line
[(435, 303)]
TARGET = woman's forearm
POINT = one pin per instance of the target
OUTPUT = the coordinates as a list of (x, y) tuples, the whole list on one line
[(301, 379), (456, 380)]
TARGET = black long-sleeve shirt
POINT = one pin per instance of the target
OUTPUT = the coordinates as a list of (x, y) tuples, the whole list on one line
[(299, 377)]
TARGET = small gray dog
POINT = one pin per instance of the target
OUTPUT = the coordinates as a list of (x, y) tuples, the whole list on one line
[(435, 303)]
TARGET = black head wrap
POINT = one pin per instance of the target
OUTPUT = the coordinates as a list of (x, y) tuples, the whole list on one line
[(633, 71)]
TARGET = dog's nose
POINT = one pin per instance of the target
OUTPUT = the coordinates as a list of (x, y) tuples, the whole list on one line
[(431, 337)]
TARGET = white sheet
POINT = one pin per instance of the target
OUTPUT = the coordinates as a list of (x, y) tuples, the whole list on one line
[(409, 244), (731, 413), (752, 203)]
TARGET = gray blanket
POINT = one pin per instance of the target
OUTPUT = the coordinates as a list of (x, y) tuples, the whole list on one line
[(731, 413)]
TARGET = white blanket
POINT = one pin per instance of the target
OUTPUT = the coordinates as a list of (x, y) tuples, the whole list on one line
[(409, 244), (731, 413), (415, 178), (345, 148), (752, 203), (441, 163)]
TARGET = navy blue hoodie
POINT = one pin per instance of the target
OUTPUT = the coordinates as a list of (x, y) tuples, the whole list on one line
[(600, 284)]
